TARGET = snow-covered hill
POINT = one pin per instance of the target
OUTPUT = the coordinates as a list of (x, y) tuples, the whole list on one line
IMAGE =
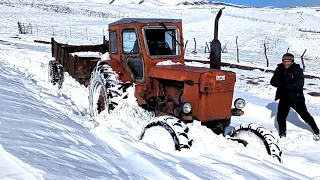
[(46, 133), (280, 29)]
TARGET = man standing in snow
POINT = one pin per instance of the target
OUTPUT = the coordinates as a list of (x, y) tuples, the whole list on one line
[(288, 78)]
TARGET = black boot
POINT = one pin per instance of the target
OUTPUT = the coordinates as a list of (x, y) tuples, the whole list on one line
[(282, 134)]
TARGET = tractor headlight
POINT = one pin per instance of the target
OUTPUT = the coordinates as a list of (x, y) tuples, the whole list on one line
[(239, 103), (186, 108)]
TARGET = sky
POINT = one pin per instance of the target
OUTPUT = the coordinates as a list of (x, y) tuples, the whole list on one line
[(275, 3)]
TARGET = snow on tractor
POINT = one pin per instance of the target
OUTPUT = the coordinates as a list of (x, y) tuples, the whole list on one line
[(177, 94)]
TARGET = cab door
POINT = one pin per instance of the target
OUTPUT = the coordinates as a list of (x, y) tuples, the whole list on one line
[(131, 54)]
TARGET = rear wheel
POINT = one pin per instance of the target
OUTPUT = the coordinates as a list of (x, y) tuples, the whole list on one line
[(167, 133), (257, 137), (104, 89)]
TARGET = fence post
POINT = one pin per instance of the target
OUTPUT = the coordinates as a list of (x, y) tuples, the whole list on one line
[(237, 50), (185, 47), (265, 53), (224, 48), (205, 48), (19, 28), (195, 46), (208, 47), (303, 66)]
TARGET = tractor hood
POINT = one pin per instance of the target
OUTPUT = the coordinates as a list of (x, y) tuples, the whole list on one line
[(195, 74)]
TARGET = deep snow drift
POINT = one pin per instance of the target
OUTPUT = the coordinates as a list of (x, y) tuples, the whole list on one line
[(46, 133)]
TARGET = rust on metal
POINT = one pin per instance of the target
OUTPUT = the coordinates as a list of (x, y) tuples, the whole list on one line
[(78, 67)]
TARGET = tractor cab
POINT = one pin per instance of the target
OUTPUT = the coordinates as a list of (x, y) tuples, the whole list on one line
[(142, 43)]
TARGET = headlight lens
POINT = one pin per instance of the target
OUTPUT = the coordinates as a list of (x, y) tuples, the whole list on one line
[(239, 103), (186, 108)]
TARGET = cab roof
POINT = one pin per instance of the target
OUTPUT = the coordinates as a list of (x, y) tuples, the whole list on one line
[(144, 20)]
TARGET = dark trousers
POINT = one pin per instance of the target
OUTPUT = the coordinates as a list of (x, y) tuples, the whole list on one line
[(300, 108)]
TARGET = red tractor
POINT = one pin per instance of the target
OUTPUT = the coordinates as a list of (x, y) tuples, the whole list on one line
[(176, 93)]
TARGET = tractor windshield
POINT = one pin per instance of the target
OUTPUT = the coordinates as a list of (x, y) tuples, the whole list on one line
[(161, 42)]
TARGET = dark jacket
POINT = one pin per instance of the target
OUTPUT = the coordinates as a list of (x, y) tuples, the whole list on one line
[(289, 83)]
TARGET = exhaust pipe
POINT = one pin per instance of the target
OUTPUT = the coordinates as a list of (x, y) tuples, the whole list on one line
[(215, 45)]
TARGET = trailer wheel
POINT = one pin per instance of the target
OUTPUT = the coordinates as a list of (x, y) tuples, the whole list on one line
[(104, 87), (50, 72), (61, 76), (55, 73)]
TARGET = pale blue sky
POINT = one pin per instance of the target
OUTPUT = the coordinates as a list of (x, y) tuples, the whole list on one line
[(275, 3)]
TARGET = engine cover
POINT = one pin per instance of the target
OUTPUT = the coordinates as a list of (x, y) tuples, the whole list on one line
[(210, 91)]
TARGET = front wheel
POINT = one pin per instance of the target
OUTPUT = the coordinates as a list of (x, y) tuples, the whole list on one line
[(167, 133), (257, 137)]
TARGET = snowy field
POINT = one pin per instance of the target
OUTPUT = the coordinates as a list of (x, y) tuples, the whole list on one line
[(47, 134)]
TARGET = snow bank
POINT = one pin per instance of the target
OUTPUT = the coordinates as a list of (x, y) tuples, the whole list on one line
[(11, 167), (117, 153)]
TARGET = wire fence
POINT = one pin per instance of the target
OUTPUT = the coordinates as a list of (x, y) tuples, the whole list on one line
[(266, 53), (76, 32)]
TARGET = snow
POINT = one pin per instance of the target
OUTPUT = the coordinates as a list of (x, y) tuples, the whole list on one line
[(15, 168), (168, 62), (105, 56), (47, 133), (87, 54)]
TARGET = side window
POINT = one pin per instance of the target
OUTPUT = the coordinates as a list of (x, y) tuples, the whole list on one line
[(130, 42), (168, 38), (113, 42)]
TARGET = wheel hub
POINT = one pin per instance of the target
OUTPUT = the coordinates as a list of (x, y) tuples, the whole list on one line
[(101, 104)]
